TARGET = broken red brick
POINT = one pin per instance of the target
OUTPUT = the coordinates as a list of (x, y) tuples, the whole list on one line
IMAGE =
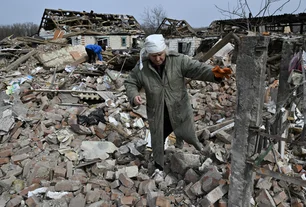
[(4, 160), (197, 118), (18, 158), (30, 188), (162, 201), (297, 168), (280, 197), (6, 152), (59, 172), (17, 133), (127, 200), (32, 202)]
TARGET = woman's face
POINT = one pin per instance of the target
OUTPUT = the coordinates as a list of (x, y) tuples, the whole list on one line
[(158, 58)]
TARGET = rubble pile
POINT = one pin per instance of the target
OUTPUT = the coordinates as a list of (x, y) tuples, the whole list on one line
[(88, 22), (70, 138)]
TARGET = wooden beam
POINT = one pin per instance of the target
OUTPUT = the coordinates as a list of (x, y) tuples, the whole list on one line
[(20, 60), (219, 45), (303, 135), (294, 180)]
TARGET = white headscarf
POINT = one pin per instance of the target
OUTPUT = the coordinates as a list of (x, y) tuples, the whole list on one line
[(153, 44)]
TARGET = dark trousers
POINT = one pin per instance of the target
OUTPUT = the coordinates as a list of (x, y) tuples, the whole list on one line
[(91, 55), (167, 130), (167, 124)]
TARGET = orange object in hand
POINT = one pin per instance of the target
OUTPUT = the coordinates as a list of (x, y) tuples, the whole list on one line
[(221, 72)]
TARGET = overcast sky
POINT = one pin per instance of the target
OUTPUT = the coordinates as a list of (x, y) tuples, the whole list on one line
[(197, 13)]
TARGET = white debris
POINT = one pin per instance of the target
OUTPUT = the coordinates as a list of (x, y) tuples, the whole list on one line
[(37, 191), (56, 195), (97, 149), (138, 123)]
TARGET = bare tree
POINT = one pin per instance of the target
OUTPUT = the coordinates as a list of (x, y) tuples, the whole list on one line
[(18, 30), (152, 18), (243, 10)]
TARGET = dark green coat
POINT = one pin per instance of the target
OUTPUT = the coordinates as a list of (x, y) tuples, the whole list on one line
[(170, 89)]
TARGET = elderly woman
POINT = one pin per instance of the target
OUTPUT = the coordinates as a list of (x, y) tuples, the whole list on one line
[(162, 74)]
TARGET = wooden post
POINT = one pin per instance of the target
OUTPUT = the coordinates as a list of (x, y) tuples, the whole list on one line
[(250, 73), (303, 135), (283, 92), (283, 88)]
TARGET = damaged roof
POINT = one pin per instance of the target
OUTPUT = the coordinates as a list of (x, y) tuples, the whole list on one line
[(269, 21), (74, 21), (175, 28)]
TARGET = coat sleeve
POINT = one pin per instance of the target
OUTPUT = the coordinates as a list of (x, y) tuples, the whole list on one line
[(99, 56), (98, 50), (197, 70), (133, 84)]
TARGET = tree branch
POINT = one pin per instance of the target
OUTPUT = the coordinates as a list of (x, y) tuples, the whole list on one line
[(281, 7), (247, 5), (297, 7)]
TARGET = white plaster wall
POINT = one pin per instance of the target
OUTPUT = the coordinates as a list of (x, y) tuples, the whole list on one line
[(86, 40), (173, 44), (114, 41)]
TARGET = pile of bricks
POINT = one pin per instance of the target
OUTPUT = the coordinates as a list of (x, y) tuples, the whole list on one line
[(48, 158)]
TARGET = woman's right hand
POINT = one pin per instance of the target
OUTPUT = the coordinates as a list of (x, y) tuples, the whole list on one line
[(137, 100)]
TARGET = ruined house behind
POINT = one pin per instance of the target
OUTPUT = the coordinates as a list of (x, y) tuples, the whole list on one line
[(118, 31), (285, 23), (180, 36)]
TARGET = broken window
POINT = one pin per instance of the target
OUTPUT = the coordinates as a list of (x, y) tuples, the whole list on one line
[(103, 41), (123, 41), (135, 43), (184, 47)]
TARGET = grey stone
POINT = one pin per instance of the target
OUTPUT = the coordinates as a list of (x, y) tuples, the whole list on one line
[(151, 198), (115, 184), (4, 198), (133, 149), (11, 169), (6, 123), (7, 183), (14, 202), (130, 171), (196, 189), (180, 162), (99, 204), (109, 175), (97, 149), (224, 137), (146, 186), (78, 201), (52, 203), (67, 185), (191, 176), (92, 196), (214, 195), (170, 179), (264, 183)]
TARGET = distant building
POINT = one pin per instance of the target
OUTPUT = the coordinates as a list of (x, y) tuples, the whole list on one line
[(285, 23), (179, 36), (118, 31)]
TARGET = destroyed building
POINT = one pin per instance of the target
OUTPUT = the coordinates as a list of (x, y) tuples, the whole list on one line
[(69, 136), (285, 23), (280, 26), (118, 31), (180, 36)]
